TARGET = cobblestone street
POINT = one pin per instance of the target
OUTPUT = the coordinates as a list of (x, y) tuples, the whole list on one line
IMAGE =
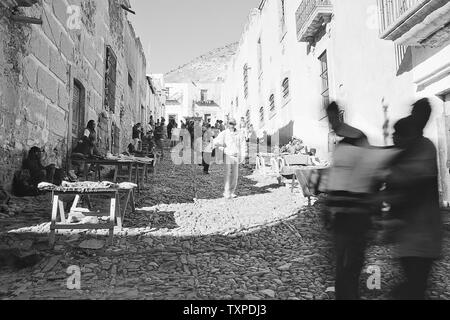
[(186, 242)]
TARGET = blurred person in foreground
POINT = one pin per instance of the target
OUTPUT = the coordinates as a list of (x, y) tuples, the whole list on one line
[(413, 185), (347, 202), (229, 141)]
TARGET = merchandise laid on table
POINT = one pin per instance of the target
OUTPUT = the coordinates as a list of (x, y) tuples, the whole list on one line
[(88, 218), (294, 162), (124, 167)]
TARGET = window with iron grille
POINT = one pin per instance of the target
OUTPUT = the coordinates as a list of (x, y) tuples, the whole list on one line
[(272, 103), (110, 80), (167, 90), (203, 95), (261, 114), (247, 117), (325, 92), (260, 56), (285, 87), (283, 15), (246, 81)]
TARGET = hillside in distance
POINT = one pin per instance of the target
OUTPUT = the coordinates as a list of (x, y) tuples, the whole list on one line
[(210, 67)]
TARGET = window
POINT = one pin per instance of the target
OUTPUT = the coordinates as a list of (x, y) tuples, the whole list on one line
[(110, 80), (237, 102), (203, 95), (285, 87), (272, 103), (247, 117), (324, 78), (260, 56), (261, 114), (167, 93), (283, 13), (246, 81), (282, 8)]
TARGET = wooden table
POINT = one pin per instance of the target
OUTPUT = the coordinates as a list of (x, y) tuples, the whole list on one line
[(114, 213), (130, 163)]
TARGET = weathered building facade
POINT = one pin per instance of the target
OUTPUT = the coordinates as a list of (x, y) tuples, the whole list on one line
[(157, 96), (297, 55), (84, 62), (281, 84)]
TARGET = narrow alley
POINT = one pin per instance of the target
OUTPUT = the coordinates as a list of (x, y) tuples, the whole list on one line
[(175, 247)]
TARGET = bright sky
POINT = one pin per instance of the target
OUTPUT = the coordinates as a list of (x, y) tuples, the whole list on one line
[(177, 31)]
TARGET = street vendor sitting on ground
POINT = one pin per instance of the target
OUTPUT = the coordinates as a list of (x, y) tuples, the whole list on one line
[(39, 172)]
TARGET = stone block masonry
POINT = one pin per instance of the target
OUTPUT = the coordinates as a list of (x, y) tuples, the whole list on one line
[(40, 65)]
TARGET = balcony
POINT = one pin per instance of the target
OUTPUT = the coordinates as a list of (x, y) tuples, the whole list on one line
[(311, 16), (415, 22), (206, 103)]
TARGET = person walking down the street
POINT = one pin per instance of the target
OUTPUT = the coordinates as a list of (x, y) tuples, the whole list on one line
[(413, 181), (208, 143), (347, 204), (229, 141), (170, 126)]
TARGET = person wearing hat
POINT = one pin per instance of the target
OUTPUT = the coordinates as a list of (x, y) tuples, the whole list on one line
[(229, 141), (347, 204), (413, 185)]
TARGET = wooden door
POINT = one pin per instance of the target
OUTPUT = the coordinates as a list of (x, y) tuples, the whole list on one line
[(77, 113)]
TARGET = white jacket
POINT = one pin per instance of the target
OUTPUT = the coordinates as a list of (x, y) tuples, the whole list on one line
[(230, 141)]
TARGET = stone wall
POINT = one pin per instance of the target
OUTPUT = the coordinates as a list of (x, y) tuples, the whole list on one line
[(39, 65)]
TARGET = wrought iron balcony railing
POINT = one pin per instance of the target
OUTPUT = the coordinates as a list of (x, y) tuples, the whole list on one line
[(310, 16), (391, 11), (206, 103)]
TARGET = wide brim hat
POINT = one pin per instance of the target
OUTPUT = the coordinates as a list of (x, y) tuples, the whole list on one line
[(346, 131)]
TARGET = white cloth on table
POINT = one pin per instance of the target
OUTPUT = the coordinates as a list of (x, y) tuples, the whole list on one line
[(127, 185)]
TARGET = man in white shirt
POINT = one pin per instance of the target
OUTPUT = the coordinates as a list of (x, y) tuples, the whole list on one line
[(229, 141)]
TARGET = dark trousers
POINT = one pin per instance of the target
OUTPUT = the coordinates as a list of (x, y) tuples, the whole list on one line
[(350, 236), (206, 161), (416, 271)]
